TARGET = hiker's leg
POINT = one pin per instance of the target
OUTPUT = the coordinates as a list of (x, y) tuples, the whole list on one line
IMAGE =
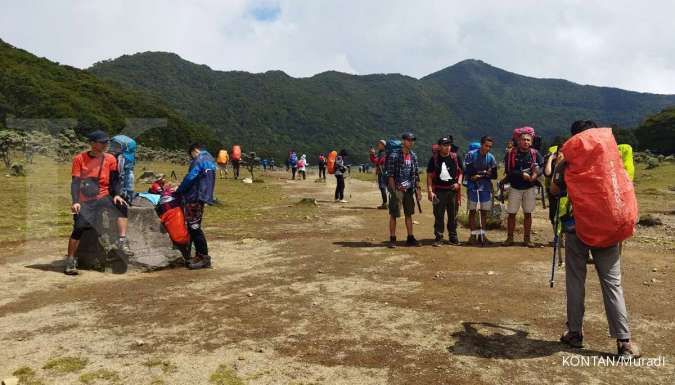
[(122, 214), (73, 244), (409, 209), (383, 193), (392, 226), (439, 213), (193, 216), (483, 219), (337, 186), (395, 201), (575, 281), (510, 225), (608, 265), (452, 214), (409, 225), (515, 201), (527, 225), (529, 202), (472, 220)]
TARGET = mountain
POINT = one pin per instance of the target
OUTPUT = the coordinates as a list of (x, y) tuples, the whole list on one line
[(272, 112), (32, 87), (657, 132)]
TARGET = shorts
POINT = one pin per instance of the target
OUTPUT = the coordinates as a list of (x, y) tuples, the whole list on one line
[(526, 199), (484, 197), (398, 198), (91, 215)]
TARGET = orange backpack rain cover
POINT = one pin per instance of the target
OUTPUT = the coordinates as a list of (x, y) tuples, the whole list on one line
[(236, 153), (602, 195), (330, 162), (174, 223), (222, 158)]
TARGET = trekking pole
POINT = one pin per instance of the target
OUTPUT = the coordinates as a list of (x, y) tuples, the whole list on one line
[(556, 240), (480, 219)]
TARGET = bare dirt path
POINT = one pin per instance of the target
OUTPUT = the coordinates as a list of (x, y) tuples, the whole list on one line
[(322, 301)]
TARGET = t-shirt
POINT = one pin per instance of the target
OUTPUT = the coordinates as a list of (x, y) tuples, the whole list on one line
[(476, 163), (404, 169), (86, 166), (444, 172), (523, 163)]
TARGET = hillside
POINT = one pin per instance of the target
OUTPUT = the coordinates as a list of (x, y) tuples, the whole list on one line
[(32, 87), (657, 132), (272, 112)]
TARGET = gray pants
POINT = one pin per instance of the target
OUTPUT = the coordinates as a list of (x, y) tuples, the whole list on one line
[(608, 266)]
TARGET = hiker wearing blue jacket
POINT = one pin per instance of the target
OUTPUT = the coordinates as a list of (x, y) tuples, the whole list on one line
[(480, 168), (195, 190)]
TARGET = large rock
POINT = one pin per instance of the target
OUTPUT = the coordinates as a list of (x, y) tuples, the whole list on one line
[(151, 246)]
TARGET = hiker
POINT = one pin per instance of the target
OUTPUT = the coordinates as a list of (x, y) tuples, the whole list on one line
[(480, 168), (124, 150), (443, 180), (551, 161), (293, 163), (302, 166), (221, 160), (95, 187), (195, 191), (272, 163), (573, 164), (403, 183), (340, 179), (235, 159), (523, 165), (378, 160), (322, 166)]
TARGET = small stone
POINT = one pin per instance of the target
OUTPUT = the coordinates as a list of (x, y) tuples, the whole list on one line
[(249, 294), (140, 342), (490, 272), (241, 358), (320, 271), (645, 283), (654, 270), (260, 350), (654, 280), (416, 223)]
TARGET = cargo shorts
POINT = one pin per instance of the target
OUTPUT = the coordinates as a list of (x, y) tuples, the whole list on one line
[(401, 198)]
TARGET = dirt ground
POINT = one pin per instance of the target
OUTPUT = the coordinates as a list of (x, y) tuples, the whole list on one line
[(322, 301)]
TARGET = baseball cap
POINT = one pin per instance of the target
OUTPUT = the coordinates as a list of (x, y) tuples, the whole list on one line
[(408, 135), (444, 140), (98, 136)]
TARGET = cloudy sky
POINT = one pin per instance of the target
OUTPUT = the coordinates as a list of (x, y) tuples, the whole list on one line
[(611, 43)]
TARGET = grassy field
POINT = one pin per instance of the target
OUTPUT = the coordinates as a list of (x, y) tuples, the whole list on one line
[(38, 206)]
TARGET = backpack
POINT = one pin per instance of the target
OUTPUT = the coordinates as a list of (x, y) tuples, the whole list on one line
[(602, 195), (222, 158), (511, 159), (330, 163), (392, 146), (322, 160), (236, 153), (293, 159), (125, 151)]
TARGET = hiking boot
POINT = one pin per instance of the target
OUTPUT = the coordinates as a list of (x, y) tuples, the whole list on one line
[(200, 262), (627, 350), (453, 240), (572, 339), (392, 243), (383, 206), (123, 246), (508, 242), (529, 243), (71, 266), (411, 241), (437, 242)]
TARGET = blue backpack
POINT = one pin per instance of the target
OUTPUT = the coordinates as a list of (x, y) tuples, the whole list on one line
[(124, 149), (393, 146)]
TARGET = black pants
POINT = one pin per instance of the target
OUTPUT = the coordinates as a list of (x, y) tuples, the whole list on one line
[(91, 214), (235, 168), (194, 212), (293, 171), (304, 174), (322, 172), (447, 203), (340, 188)]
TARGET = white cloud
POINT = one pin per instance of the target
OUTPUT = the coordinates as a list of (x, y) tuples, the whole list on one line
[(614, 43)]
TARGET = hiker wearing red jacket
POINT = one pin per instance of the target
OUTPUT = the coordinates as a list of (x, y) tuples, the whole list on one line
[(378, 160)]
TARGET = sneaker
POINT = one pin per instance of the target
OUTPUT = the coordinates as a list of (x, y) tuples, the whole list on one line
[(344, 201), (71, 266), (453, 240), (437, 242), (411, 241), (383, 206), (573, 339), (508, 242), (123, 246), (200, 262), (392, 243), (627, 350), (529, 243)]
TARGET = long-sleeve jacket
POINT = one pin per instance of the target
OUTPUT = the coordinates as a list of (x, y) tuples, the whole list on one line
[(200, 181)]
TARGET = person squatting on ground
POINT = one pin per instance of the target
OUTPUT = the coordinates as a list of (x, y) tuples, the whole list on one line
[(607, 264), (302, 166), (443, 182), (523, 165), (195, 191), (95, 187), (322, 166), (340, 170), (480, 168), (403, 183), (378, 160)]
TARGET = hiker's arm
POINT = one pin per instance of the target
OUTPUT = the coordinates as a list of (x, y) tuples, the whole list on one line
[(430, 190), (190, 178), (548, 169), (75, 190), (114, 187)]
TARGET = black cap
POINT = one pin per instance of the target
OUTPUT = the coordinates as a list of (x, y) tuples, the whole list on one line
[(445, 140), (98, 136), (408, 135)]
